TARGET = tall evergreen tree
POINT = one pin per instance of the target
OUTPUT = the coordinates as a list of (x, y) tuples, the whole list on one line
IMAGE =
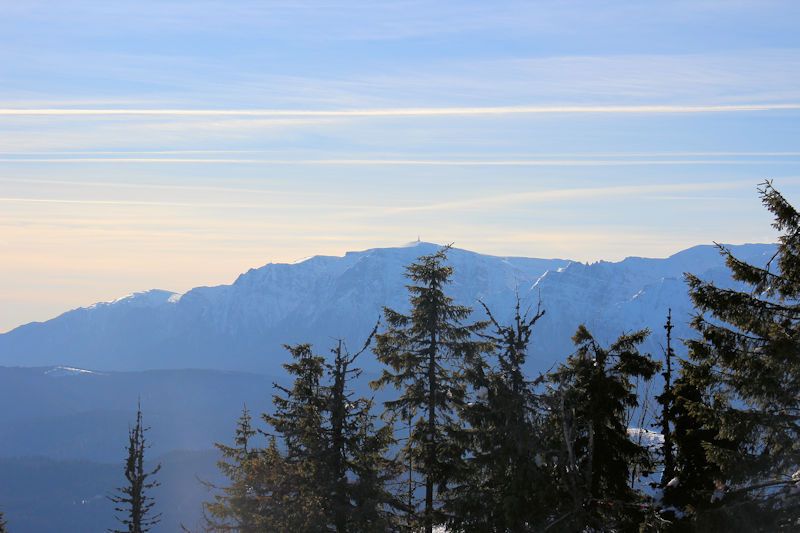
[(236, 507), (749, 345), (132, 499), (360, 470), (500, 486), (666, 400), (594, 390), (334, 471), (298, 420), (274, 486), (339, 433), (3, 524), (695, 477), (423, 351)]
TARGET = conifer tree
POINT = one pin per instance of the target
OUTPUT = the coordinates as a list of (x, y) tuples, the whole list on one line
[(334, 472), (274, 488), (500, 486), (297, 420), (423, 351), (360, 470), (749, 345), (695, 476), (666, 400), (3, 524), (132, 499), (594, 390), (236, 508)]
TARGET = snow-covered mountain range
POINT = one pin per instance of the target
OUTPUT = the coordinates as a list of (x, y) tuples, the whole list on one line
[(243, 325)]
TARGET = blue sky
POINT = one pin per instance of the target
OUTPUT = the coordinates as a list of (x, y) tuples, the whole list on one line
[(173, 144)]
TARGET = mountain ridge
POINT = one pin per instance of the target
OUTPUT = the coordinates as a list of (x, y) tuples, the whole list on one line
[(241, 326)]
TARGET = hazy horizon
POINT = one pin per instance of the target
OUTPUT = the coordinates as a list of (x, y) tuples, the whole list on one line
[(230, 279)]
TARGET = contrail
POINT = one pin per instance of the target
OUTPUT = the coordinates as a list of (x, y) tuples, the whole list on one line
[(401, 162), (409, 111), (47, 153)]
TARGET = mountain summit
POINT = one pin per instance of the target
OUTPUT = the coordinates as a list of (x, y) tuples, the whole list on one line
[(243, 325)]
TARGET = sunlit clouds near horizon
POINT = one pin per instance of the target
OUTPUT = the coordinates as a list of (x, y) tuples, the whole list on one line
[(176, 144)]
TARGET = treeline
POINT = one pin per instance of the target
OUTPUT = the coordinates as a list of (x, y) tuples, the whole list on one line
[(472, 443), (469, 441)]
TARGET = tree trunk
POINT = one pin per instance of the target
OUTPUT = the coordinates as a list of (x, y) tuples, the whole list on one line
[(666, 413), (431, 448)]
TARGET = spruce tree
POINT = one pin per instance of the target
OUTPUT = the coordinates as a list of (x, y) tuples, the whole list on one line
[(298, 421), (500, 486), (132, 499), (594, 389), (357, 450), (666, 400), (274, 487), (3, 524), (749, 345), (695, 476), (339, 431), (334, 472), (423, 351), (236, 507)]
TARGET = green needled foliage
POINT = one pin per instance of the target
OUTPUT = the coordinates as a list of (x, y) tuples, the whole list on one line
[(696, 477), (298, 419), (236, 507), (501, 483), (423, 352), (594, 389), (749, 355), (667, 402), (326, 467), (360, 470)]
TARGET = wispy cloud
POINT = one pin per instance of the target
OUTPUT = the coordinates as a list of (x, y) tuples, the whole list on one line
[(140, 185), (24, 200), (399, 162), (663, 154), (576, 193), (134, 152), (411, 111), (482, 202), (272, 205)]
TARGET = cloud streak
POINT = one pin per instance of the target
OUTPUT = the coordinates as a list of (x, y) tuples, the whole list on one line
[(271, 205), (577, 193), (662, 191), (559, 154), (411, 111), (400, 162), (146, 203), (143, 185)]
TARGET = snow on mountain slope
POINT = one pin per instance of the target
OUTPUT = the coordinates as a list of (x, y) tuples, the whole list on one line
[(612, 298), (243, 325)]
